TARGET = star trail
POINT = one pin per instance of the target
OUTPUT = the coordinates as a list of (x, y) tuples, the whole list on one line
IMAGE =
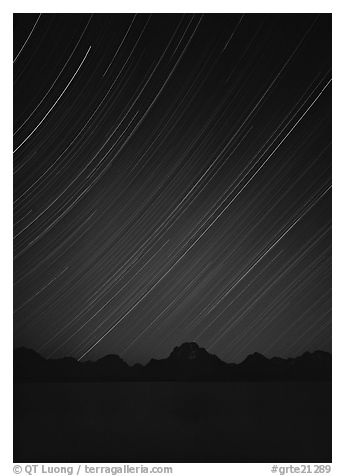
[(172, 183)]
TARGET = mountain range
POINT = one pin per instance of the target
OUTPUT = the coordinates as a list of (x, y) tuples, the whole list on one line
[(187, 362)]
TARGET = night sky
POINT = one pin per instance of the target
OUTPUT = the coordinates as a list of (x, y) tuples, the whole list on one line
[(172, 183)]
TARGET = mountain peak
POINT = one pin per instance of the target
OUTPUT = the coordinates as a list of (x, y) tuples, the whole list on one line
[(255, 359), (187, 351)]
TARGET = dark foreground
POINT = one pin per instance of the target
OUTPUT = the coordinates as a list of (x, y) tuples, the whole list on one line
[(172, 422)]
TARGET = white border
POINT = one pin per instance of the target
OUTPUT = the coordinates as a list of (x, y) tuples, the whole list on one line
[(178, 6)]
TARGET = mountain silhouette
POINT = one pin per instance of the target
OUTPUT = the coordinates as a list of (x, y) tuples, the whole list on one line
[(187, 362)]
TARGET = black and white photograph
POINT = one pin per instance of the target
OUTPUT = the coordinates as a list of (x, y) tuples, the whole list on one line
[(172, 238)]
